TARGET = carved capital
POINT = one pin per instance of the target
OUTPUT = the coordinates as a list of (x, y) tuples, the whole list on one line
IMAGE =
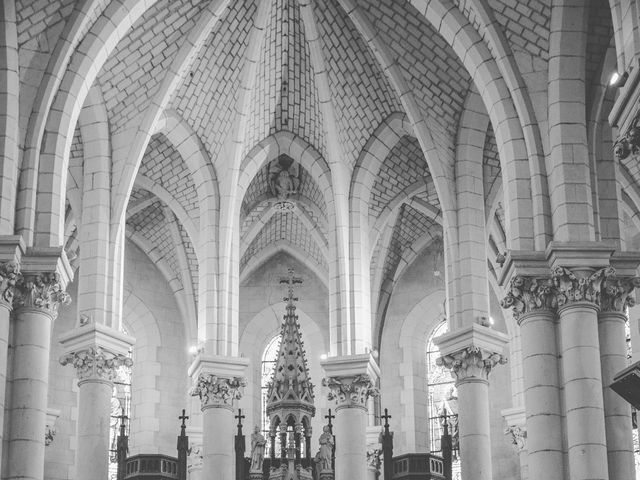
[(518, 437), (350, 391), (573, 287), (616, 294), (528, 294), (41, 291), (9, 276), (215, 391), (373, 460), (96, 363), (471, 363)]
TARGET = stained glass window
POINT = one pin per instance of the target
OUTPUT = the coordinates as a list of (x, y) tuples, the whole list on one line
[(442, 398)]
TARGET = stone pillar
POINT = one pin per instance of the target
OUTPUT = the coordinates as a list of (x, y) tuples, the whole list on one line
[(533, 303), (96, 352), (37, 297), (617, 412), (578, 306), (218, 381), (351, 381), (471, 353)]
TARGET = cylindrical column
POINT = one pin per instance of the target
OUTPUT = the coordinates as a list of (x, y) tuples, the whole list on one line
[(96, 369), (217, 455), (28, 414), (216, 396), (586, 441), (617, 412), (473, 421), (542, 395), (350, 431)]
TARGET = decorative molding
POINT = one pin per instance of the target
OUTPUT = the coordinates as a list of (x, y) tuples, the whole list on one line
[(215, 391), (518, 436), (96, 363), (617, 292), (41, 291), (575, 288), (471, 363), (529, 294), (350, 391), (9, 276), (373, 460)]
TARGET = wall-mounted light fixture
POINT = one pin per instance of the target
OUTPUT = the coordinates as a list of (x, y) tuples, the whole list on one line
[(618, 80)]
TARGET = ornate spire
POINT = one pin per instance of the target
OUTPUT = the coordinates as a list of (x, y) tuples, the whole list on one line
[(290, 387)]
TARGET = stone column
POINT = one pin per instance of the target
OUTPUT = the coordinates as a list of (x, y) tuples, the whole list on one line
[(351, 381), (96, 352), (218, 381), (578, 306), (470, 354), (36, 302), (533, 303), (617, 412)]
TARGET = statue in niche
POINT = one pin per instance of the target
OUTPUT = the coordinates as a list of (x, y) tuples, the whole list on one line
[(283, 178), (258, 443), (326, 449)]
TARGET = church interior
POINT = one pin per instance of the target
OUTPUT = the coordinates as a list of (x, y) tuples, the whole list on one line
[(318, 239)]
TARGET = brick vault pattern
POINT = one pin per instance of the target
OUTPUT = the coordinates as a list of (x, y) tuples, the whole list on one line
[(410, 226), (150, 223), (192, 260), (363, 97), (142, 58), (438, 80), (285, 227), (76, 159), (404, 166), (38, 17), (285, 96), (164, 166), (207, 98)]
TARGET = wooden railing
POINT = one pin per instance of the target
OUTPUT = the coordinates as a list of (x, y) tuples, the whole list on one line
[(151, 467), (414, 466)]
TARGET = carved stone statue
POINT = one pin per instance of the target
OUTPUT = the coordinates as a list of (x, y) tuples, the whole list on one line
[(326, 449), (258, 443)]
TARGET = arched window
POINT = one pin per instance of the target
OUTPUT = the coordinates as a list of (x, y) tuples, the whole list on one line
[(442, 396), (269, 358), (120, 405)]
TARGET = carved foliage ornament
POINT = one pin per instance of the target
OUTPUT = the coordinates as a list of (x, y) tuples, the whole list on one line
[(49, 433), (9, 276), (617, 293), (373, 459), (350, 391), (215, 391), (629, 142), (95, 363), (518, 436), (471, 362), (41, 291), (573, 288), (527, 294)]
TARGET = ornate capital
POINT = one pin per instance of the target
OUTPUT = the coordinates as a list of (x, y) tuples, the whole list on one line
[(518, 436), (41, 291), (9, 276), (616, 293), (528, 294), (471, 363), (578, 288), (95, 363), (373, 460), (215, 391), (350, 391)]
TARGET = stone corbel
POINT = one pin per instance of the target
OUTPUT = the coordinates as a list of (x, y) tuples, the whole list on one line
[(50, 427), (516, 429)]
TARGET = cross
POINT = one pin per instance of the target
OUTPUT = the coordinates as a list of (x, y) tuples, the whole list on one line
[(329, 417), (183, 417), (386, 417), (122, 417), (291, 281), (239, 416)]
